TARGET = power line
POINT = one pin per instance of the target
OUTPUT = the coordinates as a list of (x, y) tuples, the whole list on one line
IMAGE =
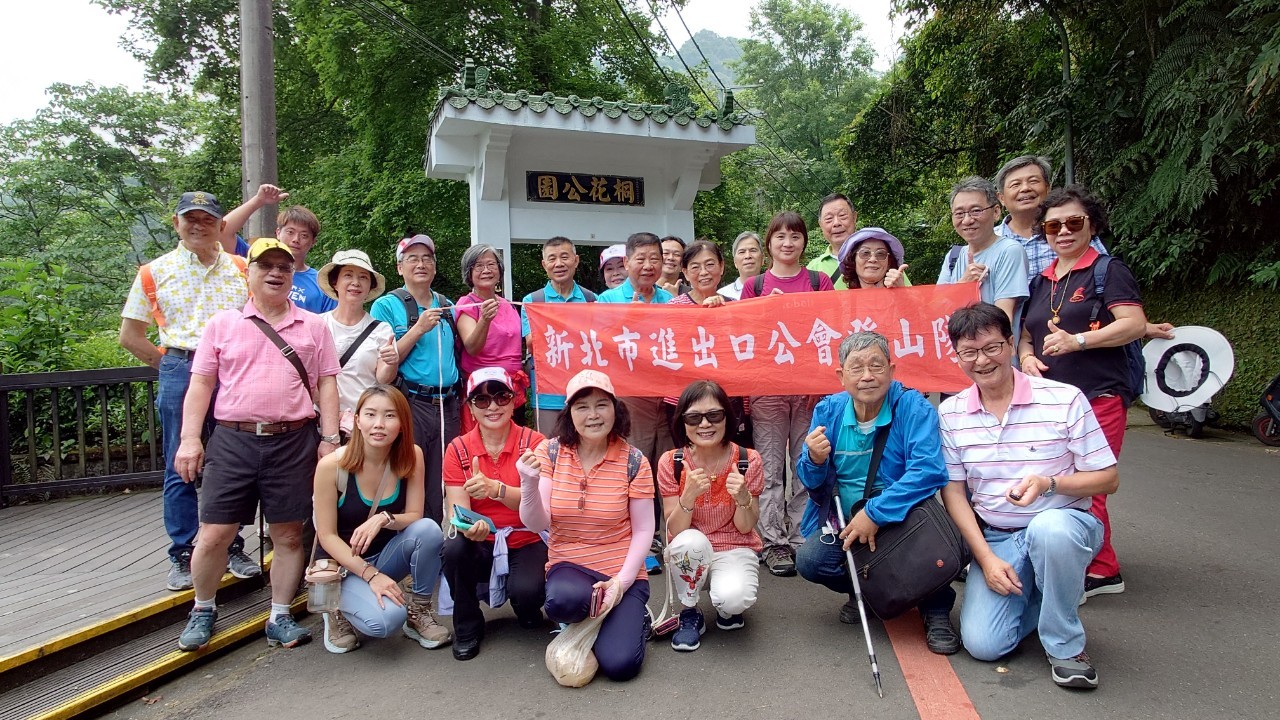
[(699, 48), (376, 13), (643, 43), (783, 143), (680, 57)]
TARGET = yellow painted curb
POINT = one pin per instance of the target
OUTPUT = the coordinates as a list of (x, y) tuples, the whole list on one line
[(161, 667), (115, 622)]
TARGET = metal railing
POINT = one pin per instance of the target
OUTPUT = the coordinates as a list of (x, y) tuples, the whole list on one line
[(81, 430)]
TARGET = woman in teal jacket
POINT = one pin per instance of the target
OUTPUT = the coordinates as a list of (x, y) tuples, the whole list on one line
[(836, 459)]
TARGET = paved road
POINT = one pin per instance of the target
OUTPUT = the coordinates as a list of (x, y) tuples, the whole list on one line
[(1194, 637)]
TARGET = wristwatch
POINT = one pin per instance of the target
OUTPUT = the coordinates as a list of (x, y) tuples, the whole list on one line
[(331, 439), (1080, 340)]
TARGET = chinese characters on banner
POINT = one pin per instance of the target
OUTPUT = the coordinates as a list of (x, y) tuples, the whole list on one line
[(562, 187), (776, 345)]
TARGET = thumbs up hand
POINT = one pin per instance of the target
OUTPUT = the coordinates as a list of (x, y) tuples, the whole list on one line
[(389, 353), (818, 444), (894, 278), (477, 486), (1059, 342)]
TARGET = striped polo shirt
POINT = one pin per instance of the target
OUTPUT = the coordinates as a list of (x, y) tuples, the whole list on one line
[(598, 536), (1049, 430), (713, 510)]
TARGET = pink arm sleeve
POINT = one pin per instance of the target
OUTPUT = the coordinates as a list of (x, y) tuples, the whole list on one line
[(642, 526), (535, 497)]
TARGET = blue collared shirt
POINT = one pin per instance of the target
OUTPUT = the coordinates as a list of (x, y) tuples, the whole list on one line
[(545, 401), (626, 292), (851, 454)]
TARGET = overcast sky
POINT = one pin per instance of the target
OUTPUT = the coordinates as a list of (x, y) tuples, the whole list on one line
[(76, 41)]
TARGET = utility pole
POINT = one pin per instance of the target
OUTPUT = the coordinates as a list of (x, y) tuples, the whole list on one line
[(257, 111)]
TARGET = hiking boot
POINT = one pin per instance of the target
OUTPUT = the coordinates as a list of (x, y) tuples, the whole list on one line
[(849, 613), (730, 622), (1076, 672), (199, 629), (940, 636), (286, 631), (780, 561), (1112, 585), (692, 625), (241, 565), (180, 573), (339, 636), (423, 626)]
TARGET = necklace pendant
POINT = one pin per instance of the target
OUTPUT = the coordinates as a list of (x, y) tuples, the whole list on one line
[(1056, 319)]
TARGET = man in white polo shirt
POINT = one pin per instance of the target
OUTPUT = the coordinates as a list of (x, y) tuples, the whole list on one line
[(1031, 455)]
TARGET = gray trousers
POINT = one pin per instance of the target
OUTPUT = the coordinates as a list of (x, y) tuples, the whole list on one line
[(781, 423)]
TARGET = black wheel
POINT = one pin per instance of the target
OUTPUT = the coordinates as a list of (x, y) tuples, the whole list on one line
[(1195, 429), (1266, 430), (1160, 418)]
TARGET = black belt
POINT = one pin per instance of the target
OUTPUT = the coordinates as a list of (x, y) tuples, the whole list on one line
[(425, 392), (986, 524), (260, 428), (181, 353)]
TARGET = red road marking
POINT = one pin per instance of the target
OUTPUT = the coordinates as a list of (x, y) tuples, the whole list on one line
[(934, 686)]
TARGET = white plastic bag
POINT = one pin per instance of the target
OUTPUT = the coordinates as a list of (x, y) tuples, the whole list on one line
[(569, 656)]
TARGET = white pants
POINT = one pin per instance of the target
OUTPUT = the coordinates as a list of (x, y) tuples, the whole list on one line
[(780, 424), (735, 574)]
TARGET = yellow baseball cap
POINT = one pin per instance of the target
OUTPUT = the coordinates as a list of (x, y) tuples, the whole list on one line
[(262, 245)]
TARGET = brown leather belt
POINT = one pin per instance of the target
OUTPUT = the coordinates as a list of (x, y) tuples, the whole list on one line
[(259, 428)]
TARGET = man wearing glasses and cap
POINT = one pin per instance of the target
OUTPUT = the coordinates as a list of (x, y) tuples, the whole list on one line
[(422, 320), (274, 364), (179, 291)]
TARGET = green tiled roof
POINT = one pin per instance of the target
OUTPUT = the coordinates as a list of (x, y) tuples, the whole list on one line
[(475, 89)]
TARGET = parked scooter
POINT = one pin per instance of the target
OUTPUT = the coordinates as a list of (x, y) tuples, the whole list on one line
[(1183, 375), (1266, 426)]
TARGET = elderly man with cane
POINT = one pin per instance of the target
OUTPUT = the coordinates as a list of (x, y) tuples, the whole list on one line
[(880, 431)]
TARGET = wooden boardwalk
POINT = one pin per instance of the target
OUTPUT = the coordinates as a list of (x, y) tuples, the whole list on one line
[(73, 564)]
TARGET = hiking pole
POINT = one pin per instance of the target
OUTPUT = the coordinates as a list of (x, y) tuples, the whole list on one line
[(857, 594)]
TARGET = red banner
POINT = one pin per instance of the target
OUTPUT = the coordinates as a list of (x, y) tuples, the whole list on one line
[(776, 345)]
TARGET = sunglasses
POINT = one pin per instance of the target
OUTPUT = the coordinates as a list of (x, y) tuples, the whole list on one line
[(1075, 223), (482, 402), (694, 419)]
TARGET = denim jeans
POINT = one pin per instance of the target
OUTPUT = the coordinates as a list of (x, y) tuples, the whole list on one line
[(181, 508), (414, 551), (825, 564), (1050, 557)]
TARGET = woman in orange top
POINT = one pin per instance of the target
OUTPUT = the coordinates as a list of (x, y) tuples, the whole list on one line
[(711, 513), (594, 493), (480, 475)]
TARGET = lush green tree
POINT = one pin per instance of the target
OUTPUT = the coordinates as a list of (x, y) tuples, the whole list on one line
[(813, 70), (87, 184)]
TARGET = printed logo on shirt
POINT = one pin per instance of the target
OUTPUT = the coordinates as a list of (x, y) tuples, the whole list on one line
[(1078, 295)]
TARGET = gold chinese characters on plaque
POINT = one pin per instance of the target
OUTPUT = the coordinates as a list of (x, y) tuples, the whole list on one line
[(584, 188)]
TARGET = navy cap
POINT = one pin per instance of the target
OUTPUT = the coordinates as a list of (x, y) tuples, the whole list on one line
[(199, 201)]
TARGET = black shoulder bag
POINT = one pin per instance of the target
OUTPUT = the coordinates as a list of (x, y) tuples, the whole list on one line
[(914, 558)]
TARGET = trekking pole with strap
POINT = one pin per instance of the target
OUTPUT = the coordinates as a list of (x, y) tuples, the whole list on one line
[(857, 594)]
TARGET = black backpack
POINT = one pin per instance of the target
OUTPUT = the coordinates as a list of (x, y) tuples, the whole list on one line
[(411, 313), (815, 279)]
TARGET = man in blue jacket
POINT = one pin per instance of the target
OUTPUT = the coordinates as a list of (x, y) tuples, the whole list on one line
[(837, 458)]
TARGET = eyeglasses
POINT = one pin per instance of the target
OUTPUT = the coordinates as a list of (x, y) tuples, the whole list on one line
[(582, 499), (694, 419), (860, 370), (279, 267), (974, 213), (485, 266), (1075, 223), (990, 350), (876, 254), (481, 402), (419, 260)]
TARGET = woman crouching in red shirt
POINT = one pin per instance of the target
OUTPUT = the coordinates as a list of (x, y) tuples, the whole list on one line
[(480, 475)]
